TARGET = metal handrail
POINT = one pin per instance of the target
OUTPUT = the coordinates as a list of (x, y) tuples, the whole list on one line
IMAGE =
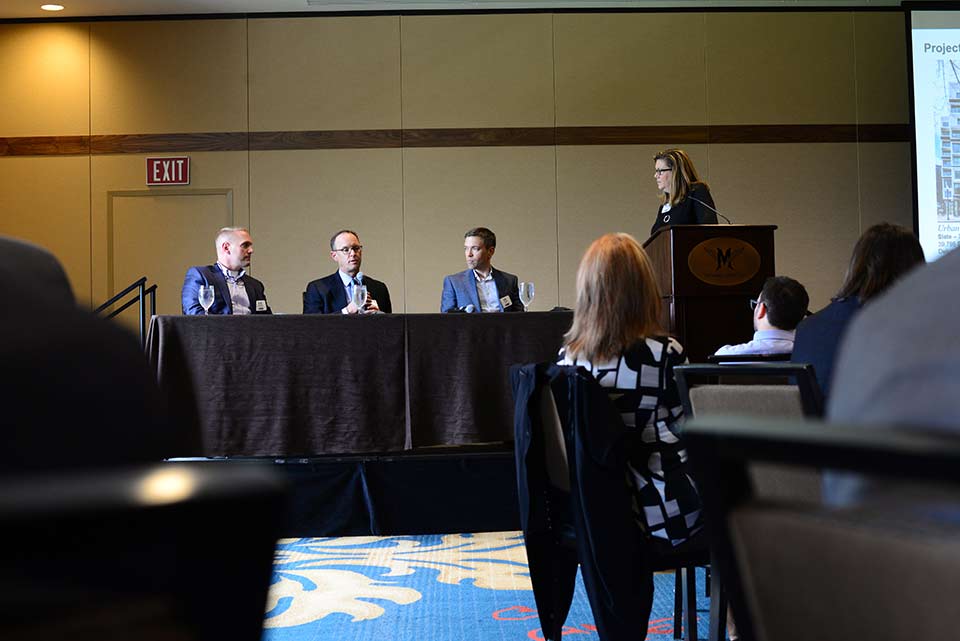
[(142, 292)]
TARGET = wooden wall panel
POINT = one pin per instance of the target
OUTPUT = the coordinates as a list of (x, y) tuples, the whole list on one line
[(780, 68), (627, 69), (325, 73), (511, 190), (168, 76), (47, 201), (300, 198), (804, 189), (477, 71), (44, 80), (885, 184), (883, 94)]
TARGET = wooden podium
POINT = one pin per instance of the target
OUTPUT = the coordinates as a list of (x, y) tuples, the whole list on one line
[(707, 275)]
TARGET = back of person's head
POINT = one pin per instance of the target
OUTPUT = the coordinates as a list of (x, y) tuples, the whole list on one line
[(786, 301), (683, 176), (883, 254), (618, 301)]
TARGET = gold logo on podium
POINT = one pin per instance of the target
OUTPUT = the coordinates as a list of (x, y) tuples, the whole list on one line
[(724, 261)]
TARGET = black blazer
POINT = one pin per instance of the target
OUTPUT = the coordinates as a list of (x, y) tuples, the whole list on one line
[(211, 275), (688, 211), (328, 295)]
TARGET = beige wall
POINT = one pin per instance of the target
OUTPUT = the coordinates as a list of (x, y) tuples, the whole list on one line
[(411, 206)]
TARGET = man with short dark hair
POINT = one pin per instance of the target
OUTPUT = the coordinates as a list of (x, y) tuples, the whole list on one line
[(234, 291), (480, 288), (776, 313), (334, 293)]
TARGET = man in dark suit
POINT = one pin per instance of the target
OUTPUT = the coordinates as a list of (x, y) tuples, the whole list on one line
[(235, 291), (334, 294), (480, 288)]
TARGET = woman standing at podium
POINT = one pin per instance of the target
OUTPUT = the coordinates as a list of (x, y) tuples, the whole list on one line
[(684, 198)]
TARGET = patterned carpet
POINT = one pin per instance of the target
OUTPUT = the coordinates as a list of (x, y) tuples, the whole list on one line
[(423, 588)]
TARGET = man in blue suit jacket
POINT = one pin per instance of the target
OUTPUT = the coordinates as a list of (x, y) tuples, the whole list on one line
[(332, 294), (235, 292), (480, 288)]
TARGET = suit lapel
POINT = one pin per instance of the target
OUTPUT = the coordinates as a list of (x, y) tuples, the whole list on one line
[(470, 286), (216, 277), (339, 292)]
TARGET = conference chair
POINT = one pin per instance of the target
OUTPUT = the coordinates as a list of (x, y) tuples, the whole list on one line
[(157, 552), (885, 569), (575, 507), (777, 390)]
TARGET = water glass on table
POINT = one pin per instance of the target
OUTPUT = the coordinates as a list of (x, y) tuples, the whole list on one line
[(526, 294), (206, 298)]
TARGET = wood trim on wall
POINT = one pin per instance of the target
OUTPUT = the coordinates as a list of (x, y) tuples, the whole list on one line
[(676, 135)]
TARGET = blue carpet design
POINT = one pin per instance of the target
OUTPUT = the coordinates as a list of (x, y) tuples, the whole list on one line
[(425, 588)]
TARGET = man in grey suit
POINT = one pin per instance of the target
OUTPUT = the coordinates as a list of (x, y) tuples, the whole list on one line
[(480, 288)]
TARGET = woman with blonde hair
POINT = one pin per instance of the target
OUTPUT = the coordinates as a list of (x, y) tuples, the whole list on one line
[(684, 198), (616, 335)]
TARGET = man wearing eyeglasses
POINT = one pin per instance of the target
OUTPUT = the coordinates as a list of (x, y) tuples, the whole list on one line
[(335, 293), (776, 313)]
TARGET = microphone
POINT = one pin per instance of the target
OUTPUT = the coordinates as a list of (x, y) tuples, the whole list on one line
[(466, 309), (710, 208)]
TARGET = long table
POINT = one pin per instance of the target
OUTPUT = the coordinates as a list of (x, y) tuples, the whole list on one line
[(292, 385)]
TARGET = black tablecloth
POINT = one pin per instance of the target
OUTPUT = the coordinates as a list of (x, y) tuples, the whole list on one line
[(304, 385)]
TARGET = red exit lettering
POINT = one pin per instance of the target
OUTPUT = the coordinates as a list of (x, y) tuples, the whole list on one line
[(168, 171)]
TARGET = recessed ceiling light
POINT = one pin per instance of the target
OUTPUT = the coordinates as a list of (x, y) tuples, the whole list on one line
[(52, 7)]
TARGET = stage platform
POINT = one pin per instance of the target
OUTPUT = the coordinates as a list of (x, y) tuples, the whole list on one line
[(432, 490)]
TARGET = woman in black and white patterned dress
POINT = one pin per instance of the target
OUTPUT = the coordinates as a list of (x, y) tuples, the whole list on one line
[(616, 335)]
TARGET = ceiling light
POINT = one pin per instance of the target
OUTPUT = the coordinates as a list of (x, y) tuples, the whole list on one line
[(52, 7)]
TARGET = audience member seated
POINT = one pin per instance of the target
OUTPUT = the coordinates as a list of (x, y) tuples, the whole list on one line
[(76, 390), (616, 335), (900, 362), (20, 260), (235, 291), (481, 287), (882, 255), (333, 294), (782, 304)]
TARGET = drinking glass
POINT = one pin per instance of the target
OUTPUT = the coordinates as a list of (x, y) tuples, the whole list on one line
[(360, 296), (526, 294), (206, 298)]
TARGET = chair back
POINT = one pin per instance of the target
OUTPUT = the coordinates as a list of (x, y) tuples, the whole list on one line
[(793, 400), (157, 552), (882, 570)]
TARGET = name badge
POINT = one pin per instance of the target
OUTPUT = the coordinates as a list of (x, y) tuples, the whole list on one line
[(261, 305), (506, 302)]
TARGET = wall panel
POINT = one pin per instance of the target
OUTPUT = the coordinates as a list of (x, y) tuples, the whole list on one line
[(168, 77), (881, 49), (477, 71), (300, 198), (885, 185), (780, 68), (803, 189), (44, 80), (626, 69), (511, 190), (325, 73), (47, 201)]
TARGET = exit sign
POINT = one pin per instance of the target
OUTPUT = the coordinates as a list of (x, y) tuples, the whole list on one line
[(168, 171)]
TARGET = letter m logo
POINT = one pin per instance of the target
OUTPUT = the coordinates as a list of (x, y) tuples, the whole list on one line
[(723, 258)]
